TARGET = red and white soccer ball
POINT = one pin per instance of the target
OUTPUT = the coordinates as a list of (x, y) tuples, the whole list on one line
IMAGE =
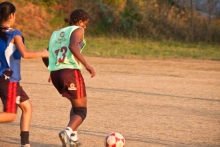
[(114, 139)]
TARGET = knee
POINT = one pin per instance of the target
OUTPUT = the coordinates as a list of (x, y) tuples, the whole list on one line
[(26, 107), (81, 111)]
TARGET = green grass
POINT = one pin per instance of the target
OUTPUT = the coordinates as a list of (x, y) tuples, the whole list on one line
[(142, 49), (36, 44)]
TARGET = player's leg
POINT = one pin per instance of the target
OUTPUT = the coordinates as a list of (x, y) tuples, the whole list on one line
[(73, 135), (70, 83), (78, 114), (79, 105), (57, 78), (26, 115), (79, 111), (7, 117), (25, 120)]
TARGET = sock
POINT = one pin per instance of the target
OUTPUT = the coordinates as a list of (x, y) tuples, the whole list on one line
[(74, 136), (24, 137), (68, 131)]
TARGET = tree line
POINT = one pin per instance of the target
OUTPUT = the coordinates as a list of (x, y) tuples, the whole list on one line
[(150, 19)]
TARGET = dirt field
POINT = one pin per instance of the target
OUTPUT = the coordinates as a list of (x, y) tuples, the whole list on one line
[(152, 103)]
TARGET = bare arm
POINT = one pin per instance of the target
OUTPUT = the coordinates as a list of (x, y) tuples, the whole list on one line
[(75, 39), (45, 61), (25, 53)]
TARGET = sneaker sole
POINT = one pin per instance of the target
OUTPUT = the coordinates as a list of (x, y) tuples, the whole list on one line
[(62, 139), (75, 144)]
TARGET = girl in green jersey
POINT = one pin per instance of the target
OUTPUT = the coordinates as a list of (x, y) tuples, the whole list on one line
[(65, 65)]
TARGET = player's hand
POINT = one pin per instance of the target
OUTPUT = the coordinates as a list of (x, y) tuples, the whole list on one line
[(90, 70)]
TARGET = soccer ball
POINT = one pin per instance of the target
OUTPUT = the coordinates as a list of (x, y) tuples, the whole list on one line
[(114, 139)]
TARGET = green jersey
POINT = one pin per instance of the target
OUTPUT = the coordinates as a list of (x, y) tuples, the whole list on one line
[(60, 56)]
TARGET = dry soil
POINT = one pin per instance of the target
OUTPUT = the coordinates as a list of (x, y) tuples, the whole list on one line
[(152, 103)]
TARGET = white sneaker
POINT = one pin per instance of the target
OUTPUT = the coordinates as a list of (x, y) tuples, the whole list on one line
[(64, 138), (74, 143)]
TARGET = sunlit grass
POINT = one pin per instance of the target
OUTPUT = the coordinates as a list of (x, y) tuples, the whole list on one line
[(145, 49), (36, 44), (120, 47)]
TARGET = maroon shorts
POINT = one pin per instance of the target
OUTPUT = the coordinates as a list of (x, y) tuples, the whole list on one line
[(69, 83), (11, 94)]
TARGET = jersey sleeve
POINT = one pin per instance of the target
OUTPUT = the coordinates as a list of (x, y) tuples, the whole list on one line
[(16, 53)]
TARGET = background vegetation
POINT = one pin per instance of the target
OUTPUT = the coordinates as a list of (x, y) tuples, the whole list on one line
[(126, 28)]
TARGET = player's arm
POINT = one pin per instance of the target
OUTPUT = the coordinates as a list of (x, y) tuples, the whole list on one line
[(25, 53), (75, 39), (46, 63), (46, 60)]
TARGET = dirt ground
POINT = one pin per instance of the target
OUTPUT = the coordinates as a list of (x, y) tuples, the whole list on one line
[(152, 103)]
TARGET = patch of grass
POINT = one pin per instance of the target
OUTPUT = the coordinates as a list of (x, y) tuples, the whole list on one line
[(142, 49), (36, 44), (126, 48)]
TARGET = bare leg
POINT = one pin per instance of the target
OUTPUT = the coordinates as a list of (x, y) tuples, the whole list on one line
[(77, 114), (25, 121), (76, 120), (71, 114), (7, 117), (26, 115)]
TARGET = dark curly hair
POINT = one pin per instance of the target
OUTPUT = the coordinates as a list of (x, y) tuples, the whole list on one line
[(76, 16)]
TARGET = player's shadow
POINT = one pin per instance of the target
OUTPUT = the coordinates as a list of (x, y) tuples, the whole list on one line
[(9, 142), (33, 144)]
